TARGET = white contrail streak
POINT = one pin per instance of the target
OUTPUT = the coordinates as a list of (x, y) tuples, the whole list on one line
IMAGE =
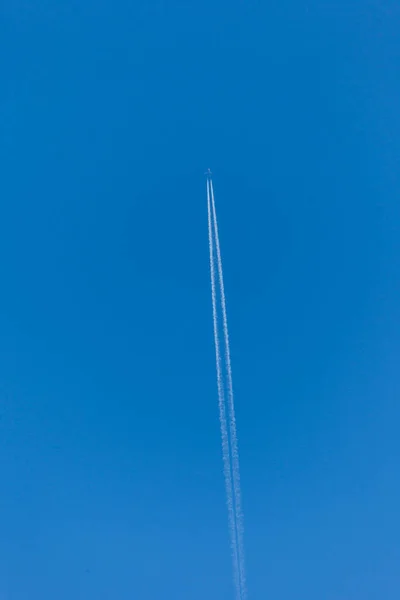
[(231, 409), (222, 414)]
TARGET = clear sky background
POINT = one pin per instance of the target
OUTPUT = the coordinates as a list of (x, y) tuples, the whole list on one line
[(111, 480)]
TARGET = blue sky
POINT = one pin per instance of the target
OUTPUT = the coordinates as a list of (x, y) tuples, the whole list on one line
[(111, 476)]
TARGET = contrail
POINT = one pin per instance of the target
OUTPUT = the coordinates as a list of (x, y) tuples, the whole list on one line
[(222, 413), (231, 409)]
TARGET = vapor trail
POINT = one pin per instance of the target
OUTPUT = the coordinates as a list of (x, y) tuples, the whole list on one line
[(222, 413), (231, 410)]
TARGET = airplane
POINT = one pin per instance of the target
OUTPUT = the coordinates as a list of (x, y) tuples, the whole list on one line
[(208, 173)]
